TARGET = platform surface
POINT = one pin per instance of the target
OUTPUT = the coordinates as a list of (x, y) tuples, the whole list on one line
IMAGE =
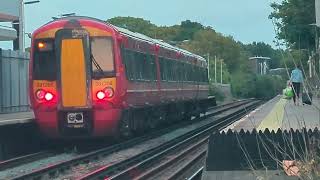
[(281, 113), (16, 118)]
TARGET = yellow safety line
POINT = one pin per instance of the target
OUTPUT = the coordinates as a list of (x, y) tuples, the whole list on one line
[(273, 121)]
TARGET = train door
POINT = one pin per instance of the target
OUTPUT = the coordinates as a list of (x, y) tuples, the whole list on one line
[(74, 76)]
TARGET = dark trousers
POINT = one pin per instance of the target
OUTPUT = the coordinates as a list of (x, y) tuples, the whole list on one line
[(296, 90)]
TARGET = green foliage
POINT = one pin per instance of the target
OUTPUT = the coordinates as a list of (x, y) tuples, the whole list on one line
[(214, 91), (187, 30), (293, 19), (242, 85), (269, 86), (249, 85), (208, 41), (226, 77), (134, 24), (293, 57), (263, 49)]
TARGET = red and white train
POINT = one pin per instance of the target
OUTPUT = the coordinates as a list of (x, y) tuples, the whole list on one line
[(89, 78)]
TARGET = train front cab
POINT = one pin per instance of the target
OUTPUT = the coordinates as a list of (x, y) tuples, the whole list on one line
[(73, 80)]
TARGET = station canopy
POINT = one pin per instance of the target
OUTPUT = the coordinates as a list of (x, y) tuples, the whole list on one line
[(9, 12)]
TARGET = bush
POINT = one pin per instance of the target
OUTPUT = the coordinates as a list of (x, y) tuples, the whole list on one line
[(214, 91), (242, 85), (245, 85), (269, 86)]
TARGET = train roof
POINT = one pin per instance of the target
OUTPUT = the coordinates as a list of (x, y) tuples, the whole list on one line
[(137, 36), (159, 42)]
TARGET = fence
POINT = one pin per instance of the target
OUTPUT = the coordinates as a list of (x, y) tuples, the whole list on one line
[(14, 81)]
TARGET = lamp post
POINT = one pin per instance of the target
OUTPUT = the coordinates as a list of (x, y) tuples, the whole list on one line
[(221, 71), (215, 69), (22, 23), (208, 55)]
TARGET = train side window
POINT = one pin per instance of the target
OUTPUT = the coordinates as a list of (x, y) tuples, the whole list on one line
[(127, 60), (169, 69), (153, 67), (189, 73), (132, 67), (163, 69), (138, 66), (174, 70)]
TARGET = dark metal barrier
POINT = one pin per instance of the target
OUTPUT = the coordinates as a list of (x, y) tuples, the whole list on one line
[(242, 150)]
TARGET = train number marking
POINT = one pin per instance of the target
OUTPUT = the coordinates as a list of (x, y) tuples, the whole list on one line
[(78, 33), (45, 84), (105, 83)]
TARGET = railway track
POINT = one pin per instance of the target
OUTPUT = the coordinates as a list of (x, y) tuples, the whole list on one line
[(58, 168), (157, 162), (24, 159)]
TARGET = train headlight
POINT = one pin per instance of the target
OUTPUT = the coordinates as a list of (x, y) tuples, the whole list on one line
[(45, 46)]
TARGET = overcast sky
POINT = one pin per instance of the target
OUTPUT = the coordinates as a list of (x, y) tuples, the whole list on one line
[(245, 20)]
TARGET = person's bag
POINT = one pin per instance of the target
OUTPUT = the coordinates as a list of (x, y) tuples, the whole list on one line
[(288, 93)]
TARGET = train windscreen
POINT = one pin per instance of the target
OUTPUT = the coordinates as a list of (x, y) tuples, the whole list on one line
[(102, 57), (45, 63)]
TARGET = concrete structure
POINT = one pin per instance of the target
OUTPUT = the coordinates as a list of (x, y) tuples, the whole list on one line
[(260, 65), (10, 11), (281, 113), (16, 118)]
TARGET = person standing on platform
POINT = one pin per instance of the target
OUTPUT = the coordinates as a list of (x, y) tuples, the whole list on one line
[(296, 81)]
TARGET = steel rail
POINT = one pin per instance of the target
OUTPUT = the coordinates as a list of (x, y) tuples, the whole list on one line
[(125, 169), (17, 161), (200, 146), (53, 169), (197, 175)]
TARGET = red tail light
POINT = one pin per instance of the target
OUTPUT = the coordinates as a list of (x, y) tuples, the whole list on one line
[(101, 95), (106, 93), (48, 96)]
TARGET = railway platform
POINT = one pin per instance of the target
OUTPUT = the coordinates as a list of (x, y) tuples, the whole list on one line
[(16, 118), (279, 113), (262, 149)]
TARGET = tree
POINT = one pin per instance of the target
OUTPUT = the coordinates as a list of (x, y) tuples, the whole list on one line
[(188, 29), (293, 19), (263, 49), (208, 41), (134, 24)]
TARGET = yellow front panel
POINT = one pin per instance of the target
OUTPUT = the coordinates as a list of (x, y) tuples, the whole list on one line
[(73, 74)]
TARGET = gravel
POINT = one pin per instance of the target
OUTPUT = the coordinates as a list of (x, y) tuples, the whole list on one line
[(83, 169)]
